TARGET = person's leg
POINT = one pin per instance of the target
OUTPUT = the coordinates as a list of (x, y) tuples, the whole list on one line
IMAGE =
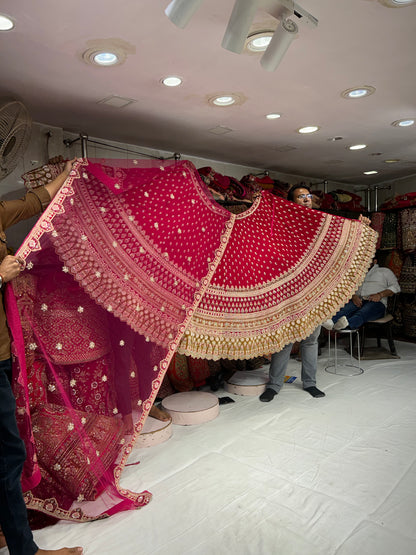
[(309, 356), (13, 514), (278, 366), (369, 311), (277, 371), (348, 310)]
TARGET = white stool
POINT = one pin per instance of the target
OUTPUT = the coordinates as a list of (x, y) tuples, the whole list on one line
[(191, 407), (154, 432), (252, 382), (349, 367)]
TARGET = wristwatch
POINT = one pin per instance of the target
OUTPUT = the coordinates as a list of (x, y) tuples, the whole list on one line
[(1, 281)]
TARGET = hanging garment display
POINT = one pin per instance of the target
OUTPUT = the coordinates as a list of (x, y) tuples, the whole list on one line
[(377, 220), (132, 262), (408, 228), (389, 238)]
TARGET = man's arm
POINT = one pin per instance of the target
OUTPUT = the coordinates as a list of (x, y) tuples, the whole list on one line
[(391, 283), (376, 297), (54, 186)]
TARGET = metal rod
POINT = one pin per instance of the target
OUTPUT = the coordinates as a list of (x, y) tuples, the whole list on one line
[(68, 142), (369, 199), (84, 140)]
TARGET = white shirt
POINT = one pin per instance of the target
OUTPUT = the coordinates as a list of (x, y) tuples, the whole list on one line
[(376, 280)]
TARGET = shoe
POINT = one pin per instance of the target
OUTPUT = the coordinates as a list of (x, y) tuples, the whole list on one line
[(328, 324), (314, 391), (268, 395), (341, 324), (216, 381)]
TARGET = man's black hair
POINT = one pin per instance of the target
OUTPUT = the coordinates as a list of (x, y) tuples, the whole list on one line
[(291, 193)]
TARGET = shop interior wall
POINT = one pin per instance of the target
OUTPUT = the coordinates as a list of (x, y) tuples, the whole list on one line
[(48, 141)]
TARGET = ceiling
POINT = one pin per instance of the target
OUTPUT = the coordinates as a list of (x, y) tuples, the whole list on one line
[(356, 43)]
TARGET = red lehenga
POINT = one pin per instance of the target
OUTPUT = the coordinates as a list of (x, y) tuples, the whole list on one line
[(132, 262)]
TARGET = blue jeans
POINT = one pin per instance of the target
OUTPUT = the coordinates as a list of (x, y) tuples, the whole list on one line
[(13, 514), (309, 355), (357, 316)]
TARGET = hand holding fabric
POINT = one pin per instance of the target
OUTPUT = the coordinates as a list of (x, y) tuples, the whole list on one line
[(11, 267)]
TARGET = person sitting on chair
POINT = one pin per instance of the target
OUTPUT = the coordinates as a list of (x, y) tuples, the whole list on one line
[(369, 302)]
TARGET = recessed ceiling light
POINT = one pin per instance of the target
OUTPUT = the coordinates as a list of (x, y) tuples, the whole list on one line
[(370, 172), (403, 122), (258, 42), (172, 81), (273, 116), (392, 161), (105, 59), (6, 23), (309, 129), (357, 147), (358, 92), (223, 100)]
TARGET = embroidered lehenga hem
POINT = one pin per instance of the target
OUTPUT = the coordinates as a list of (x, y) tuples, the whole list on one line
[(284, 302)]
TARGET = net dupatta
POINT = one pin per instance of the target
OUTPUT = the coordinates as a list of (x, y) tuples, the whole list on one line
[(132, 262)]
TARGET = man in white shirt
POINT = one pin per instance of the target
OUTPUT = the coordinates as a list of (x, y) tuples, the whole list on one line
[(369, 302)]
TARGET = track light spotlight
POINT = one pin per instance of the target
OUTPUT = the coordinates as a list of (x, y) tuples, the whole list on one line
[(181, 11), (282, 38), (241, 20), (239, 25)]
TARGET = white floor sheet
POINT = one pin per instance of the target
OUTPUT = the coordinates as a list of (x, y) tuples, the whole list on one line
[(296, 476)]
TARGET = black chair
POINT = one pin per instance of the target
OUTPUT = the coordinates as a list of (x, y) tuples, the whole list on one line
[(381, 328)]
